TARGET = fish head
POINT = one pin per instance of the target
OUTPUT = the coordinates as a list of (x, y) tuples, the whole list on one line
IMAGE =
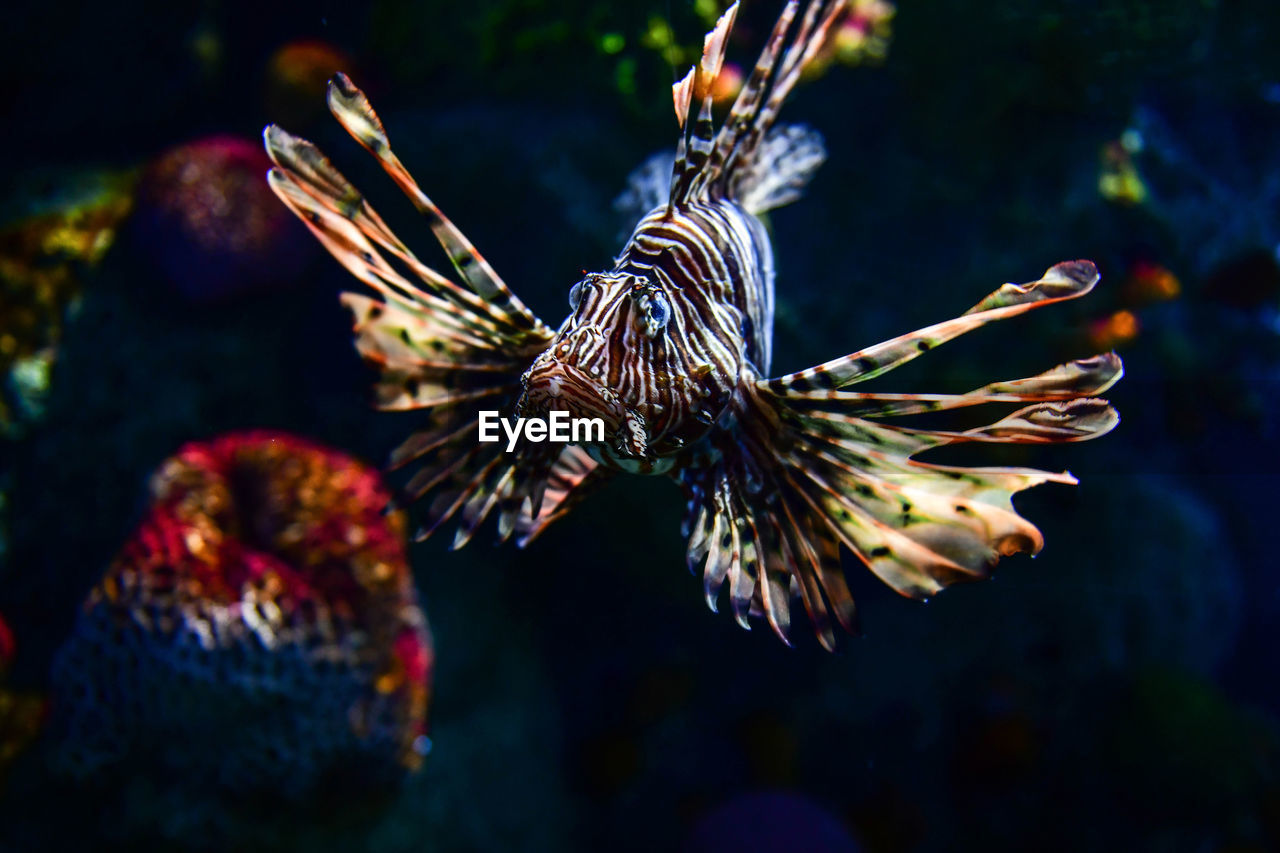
[(623, 355)]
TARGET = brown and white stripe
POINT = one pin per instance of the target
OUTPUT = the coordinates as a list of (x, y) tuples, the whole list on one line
[(672, 348)]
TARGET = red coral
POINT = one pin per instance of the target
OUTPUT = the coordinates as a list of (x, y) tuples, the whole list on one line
[(260, 625), (7, 645)]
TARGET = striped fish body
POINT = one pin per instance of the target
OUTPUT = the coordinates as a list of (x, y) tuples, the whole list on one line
[(671, 349), (659, 346)]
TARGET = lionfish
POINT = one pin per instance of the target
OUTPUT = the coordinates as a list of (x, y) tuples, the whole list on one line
[(671, 349)]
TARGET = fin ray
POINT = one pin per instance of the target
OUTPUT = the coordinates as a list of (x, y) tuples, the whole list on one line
[(440, 346), (812, 468), (354, 112), (1064, 281)]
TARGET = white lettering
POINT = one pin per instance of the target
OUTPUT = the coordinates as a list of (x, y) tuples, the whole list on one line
[(593, 427), (558, 427), (513, 432), (487, 425)]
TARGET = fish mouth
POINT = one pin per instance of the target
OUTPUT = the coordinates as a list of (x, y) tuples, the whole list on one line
[(556, 386)]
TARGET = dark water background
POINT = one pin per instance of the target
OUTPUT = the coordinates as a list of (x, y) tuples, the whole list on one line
[(1118, 692)]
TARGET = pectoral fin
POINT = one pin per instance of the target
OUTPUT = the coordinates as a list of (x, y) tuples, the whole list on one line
[(811, 468), (450, 347)]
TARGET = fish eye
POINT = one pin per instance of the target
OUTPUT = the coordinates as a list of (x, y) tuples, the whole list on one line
[(659, 309), (654, 312), (575, 296)]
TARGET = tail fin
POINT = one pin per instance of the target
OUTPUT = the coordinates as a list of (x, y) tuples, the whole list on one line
[(788, 157), (729, 163), (648, 187), (448, 347), (818, 469)]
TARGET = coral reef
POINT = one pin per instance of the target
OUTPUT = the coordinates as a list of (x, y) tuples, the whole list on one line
[(45, 246), (259, 630)]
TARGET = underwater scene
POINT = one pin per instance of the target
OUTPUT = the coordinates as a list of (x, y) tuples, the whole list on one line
[(516, 425)]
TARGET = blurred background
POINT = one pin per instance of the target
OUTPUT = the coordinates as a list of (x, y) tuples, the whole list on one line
[(1117, 692)]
